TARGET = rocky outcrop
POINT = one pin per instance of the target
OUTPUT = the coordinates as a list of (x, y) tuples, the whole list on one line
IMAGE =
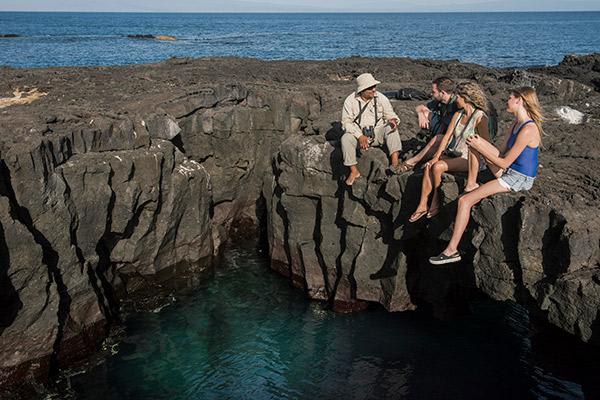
[(582, 68), (88, 218), (233, 131), (355, 245), (119, 182), (122, 205), (155, 37)]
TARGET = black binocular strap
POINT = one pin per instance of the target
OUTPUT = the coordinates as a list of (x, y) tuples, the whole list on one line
[(362, 110)]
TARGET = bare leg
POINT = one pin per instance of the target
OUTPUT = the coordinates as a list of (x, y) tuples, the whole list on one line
[(354, 174), (463, 213), (425, 191), (426, 152), (473, 171), (445, 165), (394, 157)]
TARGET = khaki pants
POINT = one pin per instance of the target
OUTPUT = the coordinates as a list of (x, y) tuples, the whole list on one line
[(383, 135)]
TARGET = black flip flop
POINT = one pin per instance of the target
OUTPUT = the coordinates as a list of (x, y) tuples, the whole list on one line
[(442, 259)]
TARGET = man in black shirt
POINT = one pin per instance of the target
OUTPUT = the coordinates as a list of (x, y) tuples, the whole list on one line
[(434, 116)]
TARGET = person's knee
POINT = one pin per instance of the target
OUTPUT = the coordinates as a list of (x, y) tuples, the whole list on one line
[(436, 140), (439, 168), (465, 202)]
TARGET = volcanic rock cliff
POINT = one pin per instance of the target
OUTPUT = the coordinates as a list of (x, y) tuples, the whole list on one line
[(119, 182)]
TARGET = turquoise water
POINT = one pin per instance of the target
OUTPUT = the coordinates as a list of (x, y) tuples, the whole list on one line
[(492, 39), (247, 334)]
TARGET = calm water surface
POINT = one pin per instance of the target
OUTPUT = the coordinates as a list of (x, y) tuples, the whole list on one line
[(493, 39), (248, 335)]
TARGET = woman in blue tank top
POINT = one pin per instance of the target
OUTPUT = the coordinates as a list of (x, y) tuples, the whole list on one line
[(515, 165)]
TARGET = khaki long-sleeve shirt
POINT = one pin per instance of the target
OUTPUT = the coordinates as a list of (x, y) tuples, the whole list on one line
[(354, 103)]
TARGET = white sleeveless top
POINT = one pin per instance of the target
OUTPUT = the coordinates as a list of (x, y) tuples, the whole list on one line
[(462, 132)]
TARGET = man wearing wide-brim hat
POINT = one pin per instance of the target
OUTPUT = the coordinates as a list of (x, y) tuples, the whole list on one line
[(368, 119)]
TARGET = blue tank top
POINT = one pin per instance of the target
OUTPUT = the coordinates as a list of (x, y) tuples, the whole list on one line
[(527, 162)]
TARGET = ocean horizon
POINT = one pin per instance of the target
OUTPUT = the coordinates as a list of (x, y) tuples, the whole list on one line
[(495, 39)]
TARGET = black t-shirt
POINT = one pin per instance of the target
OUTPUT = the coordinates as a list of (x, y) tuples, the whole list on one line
[(442, 115)]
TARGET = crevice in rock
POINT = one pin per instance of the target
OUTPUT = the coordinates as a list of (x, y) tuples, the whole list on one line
[(351, 277), (318, 239), (214, 105), (341, 223), (556, 255), (159, 199), (9, 297), (103, 250), (73, 226), (178, 142), (286, 228), (511, 223), (262, 220)]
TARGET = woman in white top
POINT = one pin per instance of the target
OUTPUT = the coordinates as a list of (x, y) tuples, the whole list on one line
[(453, 153)]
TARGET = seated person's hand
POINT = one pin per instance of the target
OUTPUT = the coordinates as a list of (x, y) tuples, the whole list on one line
[(393, 123), (363, 141), (474, 141), (423, 122)]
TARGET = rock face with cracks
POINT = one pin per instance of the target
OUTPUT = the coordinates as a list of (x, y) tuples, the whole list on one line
[(82, 226), (122, 181), (355, 245)]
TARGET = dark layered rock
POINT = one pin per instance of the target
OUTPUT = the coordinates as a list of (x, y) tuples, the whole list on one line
[(582, 68), (344, 245), (355, 245), (86, 216), (125, 203), (541, 248), (125, 181)]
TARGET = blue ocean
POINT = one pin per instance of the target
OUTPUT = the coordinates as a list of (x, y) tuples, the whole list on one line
[(491, 39)]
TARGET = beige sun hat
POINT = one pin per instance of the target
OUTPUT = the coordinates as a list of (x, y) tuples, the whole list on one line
[(365, 81)]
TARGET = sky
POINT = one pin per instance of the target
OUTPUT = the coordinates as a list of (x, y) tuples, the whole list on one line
[(299, 5)]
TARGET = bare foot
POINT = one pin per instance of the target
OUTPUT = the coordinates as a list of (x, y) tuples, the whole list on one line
[(352, 177), (469, 189), (417, 215), (434, 210)]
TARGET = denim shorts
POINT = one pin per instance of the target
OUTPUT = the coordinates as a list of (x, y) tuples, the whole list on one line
[(516, 181)]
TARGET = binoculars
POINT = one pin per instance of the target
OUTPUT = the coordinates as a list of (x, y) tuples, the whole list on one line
[(368, 131)]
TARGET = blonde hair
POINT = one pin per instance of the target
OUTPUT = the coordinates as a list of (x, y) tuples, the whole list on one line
[(473, 94), (531, 104)]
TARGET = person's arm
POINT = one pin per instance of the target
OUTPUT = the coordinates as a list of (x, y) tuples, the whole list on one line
[(528, 135), (446, 138), (482, 128), (348, 115), (505, 143), (502, 147), (389, 115), (424, 115)]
